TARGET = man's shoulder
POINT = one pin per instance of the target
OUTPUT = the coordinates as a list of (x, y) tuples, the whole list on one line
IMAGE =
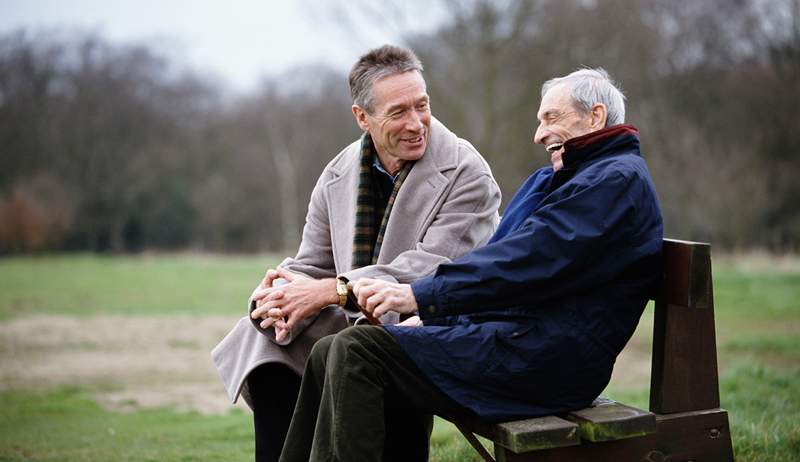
[(453, 152), (469, 158), (626, 172), (633, 167), (627, 164)]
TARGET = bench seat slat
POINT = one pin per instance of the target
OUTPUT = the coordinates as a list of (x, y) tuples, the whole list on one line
[(609, 420), (532, 434)]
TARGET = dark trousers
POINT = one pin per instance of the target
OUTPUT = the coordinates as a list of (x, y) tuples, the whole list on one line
[(363, 399), (273, 394)]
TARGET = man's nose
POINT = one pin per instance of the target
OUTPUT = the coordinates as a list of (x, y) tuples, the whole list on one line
[(414, 121), (538, 135)]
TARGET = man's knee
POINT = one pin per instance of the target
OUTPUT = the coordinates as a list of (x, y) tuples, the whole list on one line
[(319, 352), (354, 343), (354, 335)]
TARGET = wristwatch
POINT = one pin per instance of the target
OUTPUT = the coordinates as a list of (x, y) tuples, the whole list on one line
[(342, 290)]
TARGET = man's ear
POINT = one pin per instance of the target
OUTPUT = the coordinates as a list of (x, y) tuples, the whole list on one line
[(599, 116), (361, 117)]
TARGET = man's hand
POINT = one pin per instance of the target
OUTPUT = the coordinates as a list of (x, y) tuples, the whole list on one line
[(266, 283), (278, 323), (378, 297), (283, 306)]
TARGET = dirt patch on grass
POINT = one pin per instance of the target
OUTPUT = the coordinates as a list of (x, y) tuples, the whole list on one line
[(164, 361), (760, 262), (132, 362), (632, 369)]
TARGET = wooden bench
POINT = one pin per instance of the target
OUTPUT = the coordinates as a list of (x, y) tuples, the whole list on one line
[(685, 422)]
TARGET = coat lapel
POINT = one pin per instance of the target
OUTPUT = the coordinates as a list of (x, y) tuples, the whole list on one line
[(342, 193), (416, 200), (420, 194)]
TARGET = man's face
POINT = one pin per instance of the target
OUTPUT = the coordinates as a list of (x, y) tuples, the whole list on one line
[(400, 121), (560, 120)]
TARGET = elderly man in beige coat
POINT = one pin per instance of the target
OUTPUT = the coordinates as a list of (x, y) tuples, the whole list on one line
[(406, 197)]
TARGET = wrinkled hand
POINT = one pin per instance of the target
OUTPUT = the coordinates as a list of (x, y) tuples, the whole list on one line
[(378, 297), (265, 283), (268, 282), (284, 306)]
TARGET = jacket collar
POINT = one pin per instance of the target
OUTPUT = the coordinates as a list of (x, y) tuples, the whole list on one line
[(600, 143), (421, 190), (437, 158)]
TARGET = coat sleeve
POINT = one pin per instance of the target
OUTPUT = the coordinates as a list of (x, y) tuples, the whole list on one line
[(566, 245), (466, 219), (314, 257)]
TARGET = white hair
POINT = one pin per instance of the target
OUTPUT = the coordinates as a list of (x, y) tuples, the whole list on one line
[(591, 86)]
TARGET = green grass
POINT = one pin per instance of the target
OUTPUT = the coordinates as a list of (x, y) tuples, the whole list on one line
[(763, 405), (764, 412), (67, 425), (785, 345), (757, 317), (448, 445), (130, 285), (767, 295)]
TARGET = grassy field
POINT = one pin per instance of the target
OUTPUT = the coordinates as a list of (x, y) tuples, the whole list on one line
[(106, 358)]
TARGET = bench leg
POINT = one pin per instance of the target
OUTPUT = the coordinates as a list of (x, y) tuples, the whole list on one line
[(697, 435)]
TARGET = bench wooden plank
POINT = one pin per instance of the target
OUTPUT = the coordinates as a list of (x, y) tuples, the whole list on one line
[(532, 434), (693, 436), (686, 269), (609, 420), (684, 363)]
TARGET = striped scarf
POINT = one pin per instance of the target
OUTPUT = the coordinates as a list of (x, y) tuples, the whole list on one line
[(367, 240)]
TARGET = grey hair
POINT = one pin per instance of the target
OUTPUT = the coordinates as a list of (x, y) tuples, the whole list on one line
[(591, 86), (375, 65)]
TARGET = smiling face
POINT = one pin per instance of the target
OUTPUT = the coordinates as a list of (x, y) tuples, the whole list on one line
[(400, 120), (560, 120)]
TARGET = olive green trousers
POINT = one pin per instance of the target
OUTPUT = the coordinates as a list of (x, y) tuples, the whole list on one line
[(362, 398)]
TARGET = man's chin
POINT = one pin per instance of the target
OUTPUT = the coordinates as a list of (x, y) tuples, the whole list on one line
[(414, 152)]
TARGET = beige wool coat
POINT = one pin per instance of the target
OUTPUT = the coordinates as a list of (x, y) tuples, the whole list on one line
[(447, 206)]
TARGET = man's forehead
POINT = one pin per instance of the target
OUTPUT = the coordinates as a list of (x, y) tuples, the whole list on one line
[(556, 99), (393, 81), (400, 89)]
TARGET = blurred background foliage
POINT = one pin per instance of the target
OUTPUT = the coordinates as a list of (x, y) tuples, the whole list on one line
[(108, 147)]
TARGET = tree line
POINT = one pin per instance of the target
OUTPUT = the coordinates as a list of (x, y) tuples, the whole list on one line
[(110, 147)]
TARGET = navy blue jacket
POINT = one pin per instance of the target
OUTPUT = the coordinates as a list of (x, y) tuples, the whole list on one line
[(531, 323)]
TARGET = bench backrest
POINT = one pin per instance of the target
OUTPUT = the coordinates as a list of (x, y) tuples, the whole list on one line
[(684, 366)]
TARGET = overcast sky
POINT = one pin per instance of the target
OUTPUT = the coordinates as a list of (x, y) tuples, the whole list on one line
[(237, 40)]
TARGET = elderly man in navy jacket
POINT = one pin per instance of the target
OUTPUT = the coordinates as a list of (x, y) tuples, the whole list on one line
[(529, 324)]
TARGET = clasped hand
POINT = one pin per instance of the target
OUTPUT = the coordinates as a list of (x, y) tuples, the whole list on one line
[(378, 297), (282, 307)]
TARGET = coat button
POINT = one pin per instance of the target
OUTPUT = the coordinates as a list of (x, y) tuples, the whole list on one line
[(431, 309)]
